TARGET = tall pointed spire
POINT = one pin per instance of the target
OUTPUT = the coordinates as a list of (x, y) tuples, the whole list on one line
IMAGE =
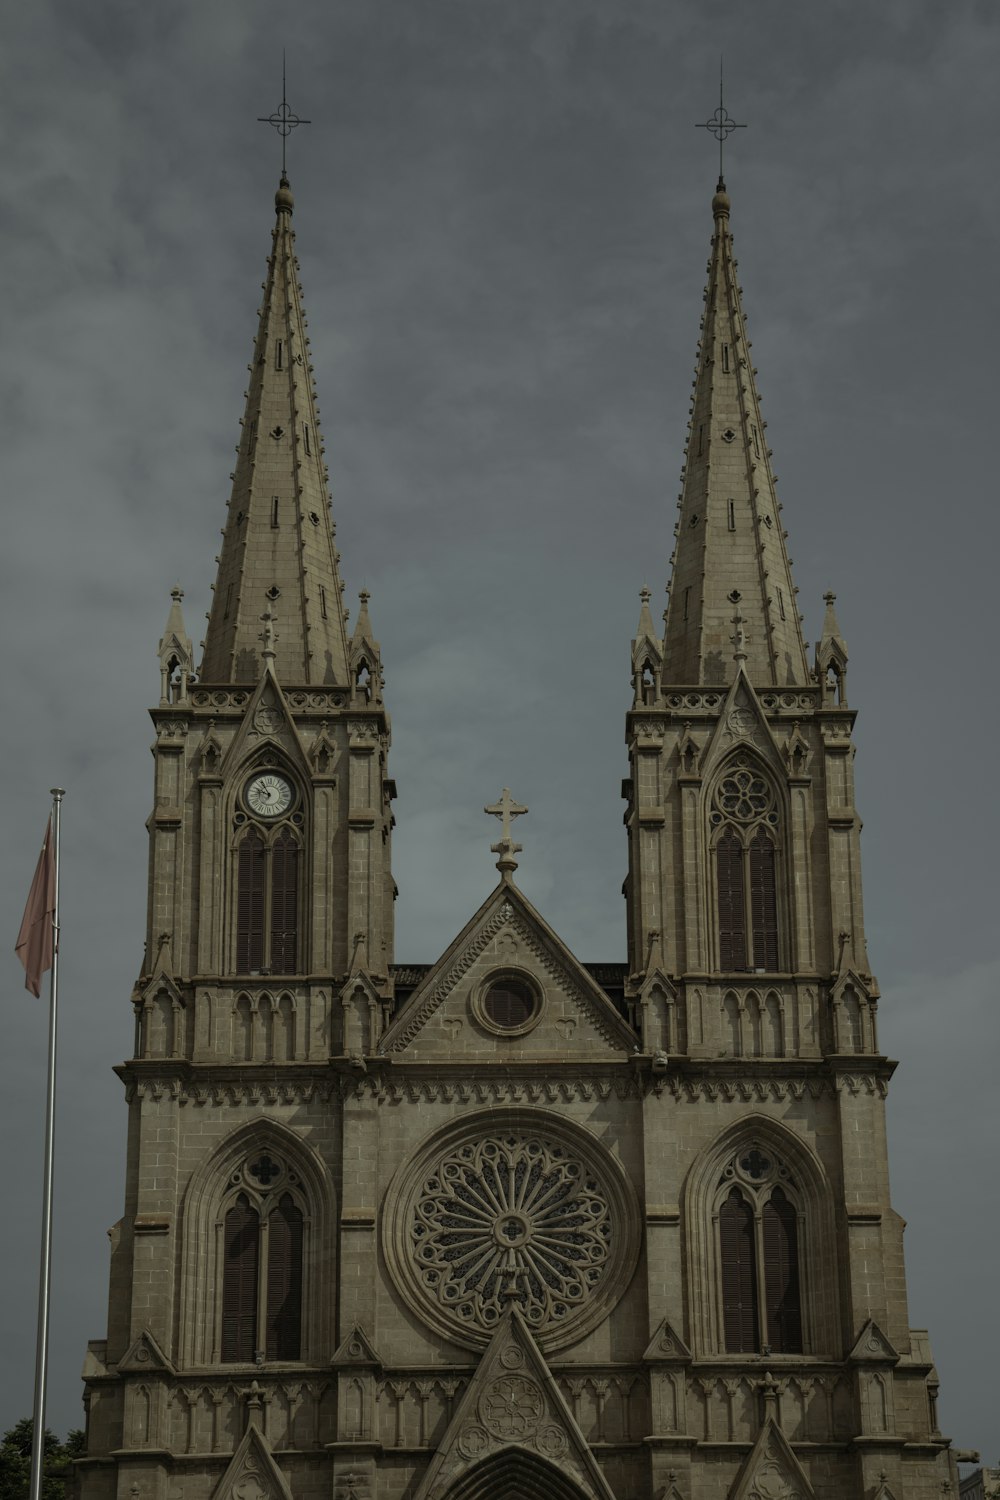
[(730, 554), (278, 548)]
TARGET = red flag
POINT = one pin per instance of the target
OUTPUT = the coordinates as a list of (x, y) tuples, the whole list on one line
[(35, 939)]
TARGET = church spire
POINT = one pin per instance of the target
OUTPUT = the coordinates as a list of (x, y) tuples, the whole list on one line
[(278, 544), (730, 554)]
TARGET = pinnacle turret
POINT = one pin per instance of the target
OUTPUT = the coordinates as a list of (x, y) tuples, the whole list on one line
[(730, 555), (278, 548)]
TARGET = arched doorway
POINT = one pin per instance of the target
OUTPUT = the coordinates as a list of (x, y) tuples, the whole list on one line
[(514, 1474)]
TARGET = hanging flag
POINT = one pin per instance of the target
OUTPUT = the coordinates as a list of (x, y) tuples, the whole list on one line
[(35, 939)]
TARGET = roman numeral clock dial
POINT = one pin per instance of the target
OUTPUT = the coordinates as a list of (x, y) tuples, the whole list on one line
[(269, 795)]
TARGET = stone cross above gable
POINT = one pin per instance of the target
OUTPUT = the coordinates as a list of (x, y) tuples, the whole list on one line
[(505, 808)]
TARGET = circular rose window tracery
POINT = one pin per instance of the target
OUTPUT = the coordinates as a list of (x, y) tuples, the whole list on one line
[(539, 1217)]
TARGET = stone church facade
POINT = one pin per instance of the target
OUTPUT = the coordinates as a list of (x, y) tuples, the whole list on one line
[(506, 1225)]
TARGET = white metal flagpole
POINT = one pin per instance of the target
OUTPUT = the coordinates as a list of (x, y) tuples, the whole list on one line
[(45, 1268)]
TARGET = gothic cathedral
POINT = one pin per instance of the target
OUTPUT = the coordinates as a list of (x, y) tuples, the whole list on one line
[(506, 1226)]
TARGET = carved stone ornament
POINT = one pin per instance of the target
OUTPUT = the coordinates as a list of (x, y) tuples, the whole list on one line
[(268, 719), (769, 1483), (512, 1407), (511, 1208), (772, 1472)]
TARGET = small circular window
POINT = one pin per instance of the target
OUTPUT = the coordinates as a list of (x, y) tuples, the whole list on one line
[(509, 1004)]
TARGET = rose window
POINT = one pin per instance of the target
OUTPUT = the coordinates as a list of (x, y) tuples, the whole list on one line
[(744, 796), (511, 1220), (513, 1217)]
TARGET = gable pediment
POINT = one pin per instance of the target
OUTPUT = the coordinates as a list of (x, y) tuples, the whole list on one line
[(267, 722), (358, 1350), (666, 1347), (513, 1406), (252, 1473), (742, 723), (447, 1018), (871, 1347), (771, 1472), (144, 1356)]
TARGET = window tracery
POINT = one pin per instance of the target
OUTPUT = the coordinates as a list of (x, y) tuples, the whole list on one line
[(256, 1285), (262, 1264), (760, 1246), (267, 904), (745, 818), (759, 1254), (511, 1211)]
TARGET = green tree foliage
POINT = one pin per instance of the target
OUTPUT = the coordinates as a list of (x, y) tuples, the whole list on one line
[(15, 1462)]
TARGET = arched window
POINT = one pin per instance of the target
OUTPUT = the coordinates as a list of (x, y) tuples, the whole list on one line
[(239, 1282), (267, 901), (262, 1250), (745, 815), (235, 1308), (759, 1256)]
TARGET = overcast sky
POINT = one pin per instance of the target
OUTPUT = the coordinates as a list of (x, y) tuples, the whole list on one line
[(503, 220)]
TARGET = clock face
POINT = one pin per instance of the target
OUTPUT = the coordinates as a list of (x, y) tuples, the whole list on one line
[(269, 795)]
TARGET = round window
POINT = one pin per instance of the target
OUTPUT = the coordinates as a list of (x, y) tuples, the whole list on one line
[(508, 1004)]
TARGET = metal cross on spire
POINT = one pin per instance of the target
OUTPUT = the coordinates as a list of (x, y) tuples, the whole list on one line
[(283, 119), (505, 809), (721, 123)]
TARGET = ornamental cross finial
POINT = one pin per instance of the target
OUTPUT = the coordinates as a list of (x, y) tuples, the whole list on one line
[(720, 123), (283, 119), (505, 808)]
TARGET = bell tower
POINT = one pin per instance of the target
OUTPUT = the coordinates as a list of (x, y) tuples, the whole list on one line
[(272, 793), (269, 883), (749, 975)]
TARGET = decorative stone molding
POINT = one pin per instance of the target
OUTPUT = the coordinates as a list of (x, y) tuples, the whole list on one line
[(538, 1201), (422, 1014), (509, 1090), (744, 1089)]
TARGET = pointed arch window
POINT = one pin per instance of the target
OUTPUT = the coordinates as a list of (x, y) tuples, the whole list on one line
[(758, 1248), (745, 817), (262, 1267), (267, 901)]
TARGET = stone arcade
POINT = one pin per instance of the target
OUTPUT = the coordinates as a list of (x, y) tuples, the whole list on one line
[(506, 1225)]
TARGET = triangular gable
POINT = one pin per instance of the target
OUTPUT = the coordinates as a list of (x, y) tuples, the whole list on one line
[(144, 1355), (742, 722), (871, 1347), (252, 1473), (358, 1350), (513, 1402), (848, 977), (771, 1470), (507, 911), (267, 721), (666, 1347)]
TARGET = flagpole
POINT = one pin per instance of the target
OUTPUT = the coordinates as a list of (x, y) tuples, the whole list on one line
[(45, 1268)]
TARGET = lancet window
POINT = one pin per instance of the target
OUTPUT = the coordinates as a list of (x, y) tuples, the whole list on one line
[(744, 819), (262, 1234), (267, 900), (758, 1247)]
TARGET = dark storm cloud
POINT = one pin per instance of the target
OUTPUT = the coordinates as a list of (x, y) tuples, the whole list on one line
[(503, 223)]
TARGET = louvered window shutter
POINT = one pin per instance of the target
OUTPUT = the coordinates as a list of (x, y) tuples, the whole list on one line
[(250, 905), (284, 1281), (781, 1275), (739, 1274), (239, 1282), (763, 902), (732, 910), (284, 904)]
